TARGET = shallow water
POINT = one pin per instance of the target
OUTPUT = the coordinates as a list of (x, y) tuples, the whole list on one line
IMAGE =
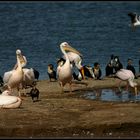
[(111, 95)]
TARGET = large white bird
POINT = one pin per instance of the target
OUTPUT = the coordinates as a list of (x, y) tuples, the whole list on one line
[(128, 76), (135, 19), (64, 71), (16, 77), (9, 101)]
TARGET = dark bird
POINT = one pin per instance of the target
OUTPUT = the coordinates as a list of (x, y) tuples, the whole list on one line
[(135, 19), (88, 73), (51, 72), (36, 73), (1, 81), (34, 93)]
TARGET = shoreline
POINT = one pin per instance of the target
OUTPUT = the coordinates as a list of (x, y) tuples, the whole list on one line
[(88, 84)]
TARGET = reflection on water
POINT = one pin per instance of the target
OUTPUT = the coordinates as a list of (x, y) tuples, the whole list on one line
[(111, 95)]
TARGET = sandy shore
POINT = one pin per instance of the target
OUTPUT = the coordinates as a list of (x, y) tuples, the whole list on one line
[(67, 115)]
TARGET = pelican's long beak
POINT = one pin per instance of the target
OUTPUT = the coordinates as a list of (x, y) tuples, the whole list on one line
[(69, 48)]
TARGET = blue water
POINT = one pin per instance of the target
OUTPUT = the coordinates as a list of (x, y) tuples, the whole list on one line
[(111, 95), (96, 29)]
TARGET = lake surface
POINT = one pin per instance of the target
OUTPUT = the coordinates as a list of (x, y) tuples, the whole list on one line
[(96, 29)]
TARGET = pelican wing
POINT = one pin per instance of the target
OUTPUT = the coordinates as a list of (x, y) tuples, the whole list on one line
[(7, 76)]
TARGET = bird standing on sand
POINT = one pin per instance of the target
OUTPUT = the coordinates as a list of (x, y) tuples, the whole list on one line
[(34, 93), (51, 72), (128, 76), (16, 76), (135, 19), (64, 71)]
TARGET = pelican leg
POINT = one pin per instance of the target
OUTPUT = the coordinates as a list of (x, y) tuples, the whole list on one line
[(24, 91), (19, 94), (119, 87), (70, 84), (1, 107), (136, 90), (127, 85), (62, 87)]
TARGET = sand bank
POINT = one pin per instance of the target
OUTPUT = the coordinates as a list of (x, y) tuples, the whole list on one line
[(67, 115)]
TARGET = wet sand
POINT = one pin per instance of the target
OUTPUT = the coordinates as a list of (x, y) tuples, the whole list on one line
[(67, 115)]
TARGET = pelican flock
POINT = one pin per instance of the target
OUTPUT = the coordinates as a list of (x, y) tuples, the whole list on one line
[(29, 75), (15, 78), (128, 76), (64, 71)]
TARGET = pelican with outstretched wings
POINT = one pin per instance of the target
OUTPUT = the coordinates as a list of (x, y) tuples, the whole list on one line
[(135, 19)]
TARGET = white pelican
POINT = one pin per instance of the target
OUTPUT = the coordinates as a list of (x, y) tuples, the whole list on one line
[(64, 71), (128, 76), (16, 76), (8, 101), (135, 19), (76, 59)]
